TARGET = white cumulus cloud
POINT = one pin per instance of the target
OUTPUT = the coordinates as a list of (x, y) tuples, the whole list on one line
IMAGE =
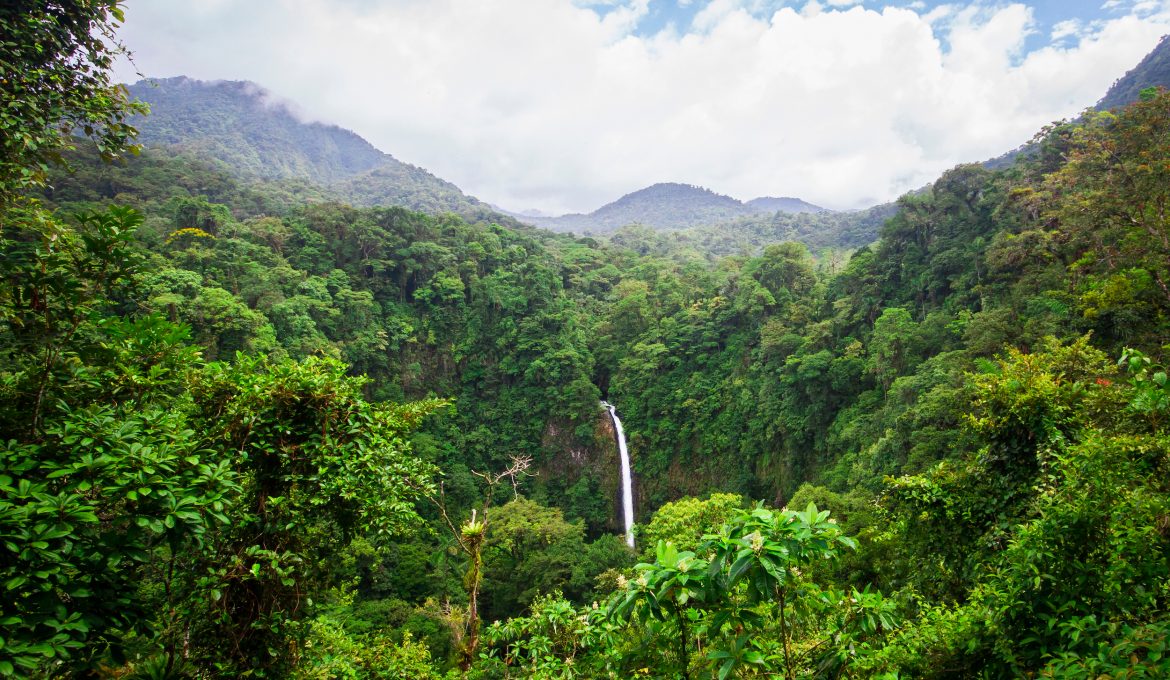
[(562, 105)]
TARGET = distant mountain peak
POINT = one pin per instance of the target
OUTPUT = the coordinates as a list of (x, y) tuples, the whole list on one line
[(665, 205), (671, 191), (658, 187), (669, 206), (786, 204)]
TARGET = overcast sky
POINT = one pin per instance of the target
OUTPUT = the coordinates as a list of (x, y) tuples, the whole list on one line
[(563, 105)]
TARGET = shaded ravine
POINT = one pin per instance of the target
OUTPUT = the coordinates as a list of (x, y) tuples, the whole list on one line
[(627, 478)]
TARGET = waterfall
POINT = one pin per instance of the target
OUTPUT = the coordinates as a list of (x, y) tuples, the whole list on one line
[(627, 479)]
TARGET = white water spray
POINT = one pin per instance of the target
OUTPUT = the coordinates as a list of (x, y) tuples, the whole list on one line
[(627, 479)]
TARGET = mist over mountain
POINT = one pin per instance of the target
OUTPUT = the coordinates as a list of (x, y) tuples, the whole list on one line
[(672, 206), (247, 131), (241, 126)]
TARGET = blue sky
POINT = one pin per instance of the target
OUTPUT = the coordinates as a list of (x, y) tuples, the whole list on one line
[(1054, 21), (1047, 13), (563, 105)]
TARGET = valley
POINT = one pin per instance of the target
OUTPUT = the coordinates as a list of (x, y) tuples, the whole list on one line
[(278, 403)]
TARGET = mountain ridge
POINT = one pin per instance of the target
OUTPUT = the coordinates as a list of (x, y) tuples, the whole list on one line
[(671, 206), (241, 126), (192, 115), (786, 204), (1152, 71), (244, 128)]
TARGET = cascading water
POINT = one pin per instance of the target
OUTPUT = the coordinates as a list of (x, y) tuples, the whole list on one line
[(627, 478)]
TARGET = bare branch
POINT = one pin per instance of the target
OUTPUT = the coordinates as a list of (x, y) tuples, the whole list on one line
[(441, 503)]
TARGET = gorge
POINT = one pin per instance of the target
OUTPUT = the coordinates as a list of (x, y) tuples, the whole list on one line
[(627, 477)]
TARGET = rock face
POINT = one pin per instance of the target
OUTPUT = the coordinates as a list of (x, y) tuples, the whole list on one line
[(588, 472)]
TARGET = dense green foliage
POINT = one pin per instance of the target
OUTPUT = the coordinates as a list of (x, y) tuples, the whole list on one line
[(54, 82), (247, 430), (147, 493)]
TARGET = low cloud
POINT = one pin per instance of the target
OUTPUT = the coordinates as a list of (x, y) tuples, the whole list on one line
[(562, 106)]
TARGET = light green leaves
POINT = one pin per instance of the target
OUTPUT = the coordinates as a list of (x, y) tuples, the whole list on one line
[(750, 576)]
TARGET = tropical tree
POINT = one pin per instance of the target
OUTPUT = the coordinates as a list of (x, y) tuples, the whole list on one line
[(746, 592), (57, 56)]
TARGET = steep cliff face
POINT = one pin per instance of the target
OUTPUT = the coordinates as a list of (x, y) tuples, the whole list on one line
[(584, 475)]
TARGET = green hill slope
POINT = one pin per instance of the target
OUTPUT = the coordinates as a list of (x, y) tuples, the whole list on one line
[(1152, 71), (242, 127)]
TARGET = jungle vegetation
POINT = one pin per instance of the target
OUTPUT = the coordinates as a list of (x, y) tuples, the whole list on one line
[(249, 431)]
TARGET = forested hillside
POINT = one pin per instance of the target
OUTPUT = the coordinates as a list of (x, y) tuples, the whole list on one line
[(665, 206), (818, 230), (251, 430), (783, 204), (715, 225), (1153, 70), (250, 131), (245, 130)]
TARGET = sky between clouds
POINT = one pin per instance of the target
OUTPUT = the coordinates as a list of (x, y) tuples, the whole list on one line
[(563, 105)]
